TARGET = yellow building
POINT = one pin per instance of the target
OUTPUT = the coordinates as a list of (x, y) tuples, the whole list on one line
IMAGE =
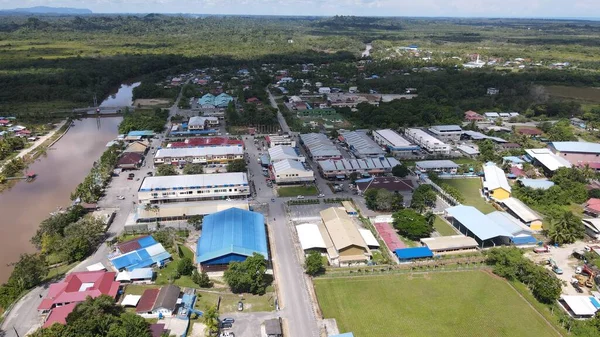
[(518, 209), (495, 184)]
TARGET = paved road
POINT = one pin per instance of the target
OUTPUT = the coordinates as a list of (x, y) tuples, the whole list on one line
[(282, 122), (295, 302)]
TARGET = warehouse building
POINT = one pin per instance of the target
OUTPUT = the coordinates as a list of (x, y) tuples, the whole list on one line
[(495, 184), (361, 145), (289, 171), (521, 211), (231, 236), (194, 187), (442, 166), (447, 133), (394, 143), (427, 141), (282, 152), (340, 169), (577, 152), (413, 253), (319, 147), (310, 238), (199, 155), (547, 159), (453, 244), (181, 211), (276, 140), (345, 244)]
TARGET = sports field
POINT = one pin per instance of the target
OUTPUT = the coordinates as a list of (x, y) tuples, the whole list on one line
[(469, 187), (465, 304)]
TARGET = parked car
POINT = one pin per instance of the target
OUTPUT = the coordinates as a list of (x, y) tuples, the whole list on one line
[(240, 306), (120, 197), (272, 199), (149, 173), (226, 325), (321, 195), (228, 320)]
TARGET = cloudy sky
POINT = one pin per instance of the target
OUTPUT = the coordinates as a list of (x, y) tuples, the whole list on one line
[(465, 8)]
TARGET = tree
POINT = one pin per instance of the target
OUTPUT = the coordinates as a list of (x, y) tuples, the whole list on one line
[(371, 198), (238, 165), (487, 151), (565, 227), (423, 196), (81, 238), (561, 131), (353, 177), (248, 276), (195, 221), (193, 169), (185, 266), (29, 271), (211, 320), (313, 265), (166, 170), (201, 279), (400, 171), (411, 224)]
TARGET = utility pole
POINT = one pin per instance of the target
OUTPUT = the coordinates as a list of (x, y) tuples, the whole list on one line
[(95, 100), (16, 333)]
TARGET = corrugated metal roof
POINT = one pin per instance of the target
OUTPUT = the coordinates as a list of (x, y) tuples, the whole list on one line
[(449, 242), (476, 222), (548, 159), (194, 181), (494, 178), (577, 147), (319, 145), (369, 238), (394, 138), (288, 164), (520, 209), (446, 128), (310, 236), (509, 223), (341, 228), (436, 164), (413, 253), (362, 144), (232, 231), (354, 164), (281, 152), (178, 152)]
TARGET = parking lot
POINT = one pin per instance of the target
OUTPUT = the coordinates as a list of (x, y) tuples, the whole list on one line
[(307, 213), (248, 324)]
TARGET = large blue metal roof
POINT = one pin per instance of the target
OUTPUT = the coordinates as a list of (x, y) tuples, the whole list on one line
[(233, 231), (478, 223), (578, 147), (141, 258)]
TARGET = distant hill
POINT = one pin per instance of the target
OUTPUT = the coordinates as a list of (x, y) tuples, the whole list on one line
[(48, 10)]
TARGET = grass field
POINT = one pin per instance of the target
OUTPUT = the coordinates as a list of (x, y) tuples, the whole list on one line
[(443, 227), (470, 303), (470, 190), (585, 94), (293, 191)]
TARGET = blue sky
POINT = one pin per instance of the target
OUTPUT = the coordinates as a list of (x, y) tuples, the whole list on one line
[(463, 8)]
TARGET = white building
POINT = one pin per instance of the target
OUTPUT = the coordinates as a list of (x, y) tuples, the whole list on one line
[(362, 145), (194, 187), (201, 123), (547, 159), (281, 152), (276, 140), (427, 141), (310, 238), (199, 155), (289, 171), (395, 143), (324, 90), (447, 132)]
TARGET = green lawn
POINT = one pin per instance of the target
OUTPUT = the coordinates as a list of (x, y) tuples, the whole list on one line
[(293, 191), (443, 227), (470, 303), (165, 275), (470, 188), (229, 302)]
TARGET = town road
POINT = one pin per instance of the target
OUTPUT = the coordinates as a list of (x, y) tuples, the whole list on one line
[(280, 119)]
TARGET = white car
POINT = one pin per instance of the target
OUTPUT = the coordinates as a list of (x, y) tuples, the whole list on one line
[(321, 195), (120, 197), (300, 197)]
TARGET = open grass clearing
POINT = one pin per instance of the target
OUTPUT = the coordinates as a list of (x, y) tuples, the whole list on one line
[(293, 191), (469, 187), (443, 227), (468, 303), (229, 301)]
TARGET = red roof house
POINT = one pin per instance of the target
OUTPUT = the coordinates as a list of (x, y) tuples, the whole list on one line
[(4, 121), (473, 116), (147, 300), (130, 160), (253, 100), (75, 288), (593, 206)]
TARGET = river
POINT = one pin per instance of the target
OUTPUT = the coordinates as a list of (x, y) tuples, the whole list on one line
[(66, 164), (122, 97)]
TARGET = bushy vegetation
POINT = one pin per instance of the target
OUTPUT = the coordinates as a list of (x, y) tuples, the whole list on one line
[(144, 120), (90, 190), (248, 276), (379, 199)]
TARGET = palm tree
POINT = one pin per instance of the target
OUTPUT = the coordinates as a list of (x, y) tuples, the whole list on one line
[(565, 227), (211, 320)]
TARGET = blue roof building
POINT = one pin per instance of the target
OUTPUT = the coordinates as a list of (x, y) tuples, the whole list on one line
[(405, 254), (538, 184), (145, 256), (347, 334), (141, 133), (231, 235)]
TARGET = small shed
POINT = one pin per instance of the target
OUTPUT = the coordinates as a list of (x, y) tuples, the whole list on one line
[(273, 328), (406, 254)]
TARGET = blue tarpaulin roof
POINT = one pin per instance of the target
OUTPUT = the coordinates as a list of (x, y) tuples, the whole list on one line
[(523, 240), (595, 302), (148, 133), (413, 253), (232, 232)]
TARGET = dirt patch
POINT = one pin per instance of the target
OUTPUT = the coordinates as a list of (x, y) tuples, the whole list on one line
[(150, 102)]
